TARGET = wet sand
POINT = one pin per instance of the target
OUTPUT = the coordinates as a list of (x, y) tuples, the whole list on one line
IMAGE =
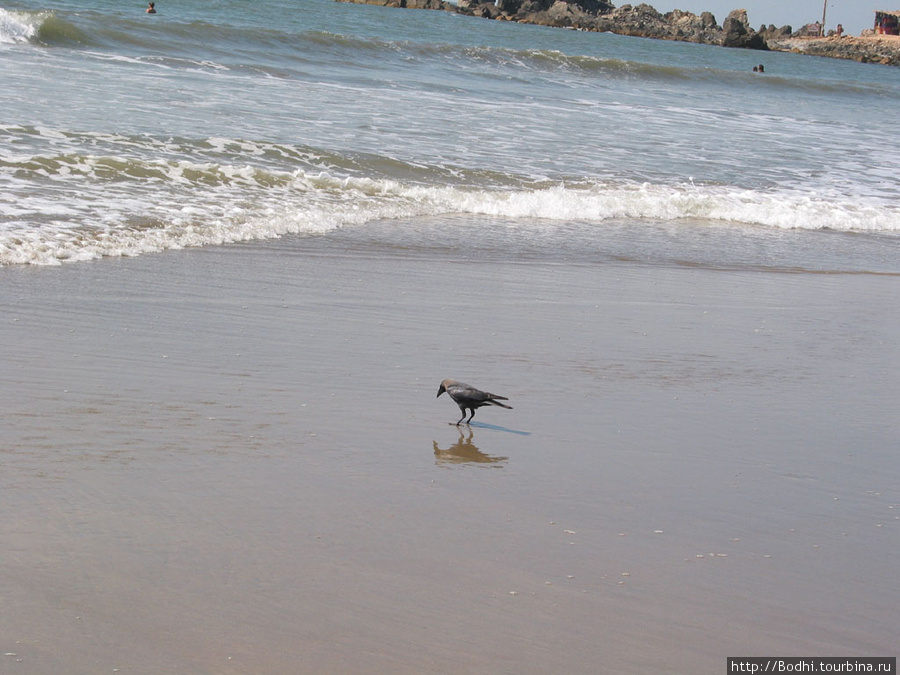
[(232, 460)]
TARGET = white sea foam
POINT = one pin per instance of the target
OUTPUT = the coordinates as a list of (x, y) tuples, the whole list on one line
[(602, 202), (18, 27), (242, 204)]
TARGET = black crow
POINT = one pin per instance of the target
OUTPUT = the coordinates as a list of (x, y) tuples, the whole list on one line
[(468, 397)]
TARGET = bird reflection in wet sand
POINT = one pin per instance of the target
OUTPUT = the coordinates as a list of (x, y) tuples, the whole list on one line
[(464, 451)]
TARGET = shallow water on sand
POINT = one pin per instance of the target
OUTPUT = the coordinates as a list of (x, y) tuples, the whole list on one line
[(233, 460)]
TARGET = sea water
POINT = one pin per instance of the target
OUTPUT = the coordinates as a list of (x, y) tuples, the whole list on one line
[(215, 121)]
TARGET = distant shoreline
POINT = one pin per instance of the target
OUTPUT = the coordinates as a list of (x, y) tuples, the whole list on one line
[(644, 21)]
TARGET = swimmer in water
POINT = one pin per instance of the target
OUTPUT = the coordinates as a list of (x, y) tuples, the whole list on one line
[(151, 8)]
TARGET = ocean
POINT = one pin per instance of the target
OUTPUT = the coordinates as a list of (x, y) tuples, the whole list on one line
[(208, 123)]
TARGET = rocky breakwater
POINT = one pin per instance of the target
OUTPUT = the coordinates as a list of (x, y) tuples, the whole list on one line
[(602, 16), (883, 49), (634, 20)]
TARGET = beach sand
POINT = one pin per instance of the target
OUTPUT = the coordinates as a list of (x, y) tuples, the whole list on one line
[(232, 460)]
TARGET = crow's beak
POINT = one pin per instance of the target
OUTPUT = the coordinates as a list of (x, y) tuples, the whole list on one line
[(441, 390)]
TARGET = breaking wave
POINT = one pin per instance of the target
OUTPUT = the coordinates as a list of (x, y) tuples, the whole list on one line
[(186, 204), (19, 27), (43, 27)]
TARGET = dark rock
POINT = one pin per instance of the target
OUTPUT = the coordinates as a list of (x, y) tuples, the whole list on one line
[(739, 34), (708, 21), (772, 33), (509, 6)]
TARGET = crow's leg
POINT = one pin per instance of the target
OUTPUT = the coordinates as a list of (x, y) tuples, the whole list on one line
[(463, 411), (471, 416)]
